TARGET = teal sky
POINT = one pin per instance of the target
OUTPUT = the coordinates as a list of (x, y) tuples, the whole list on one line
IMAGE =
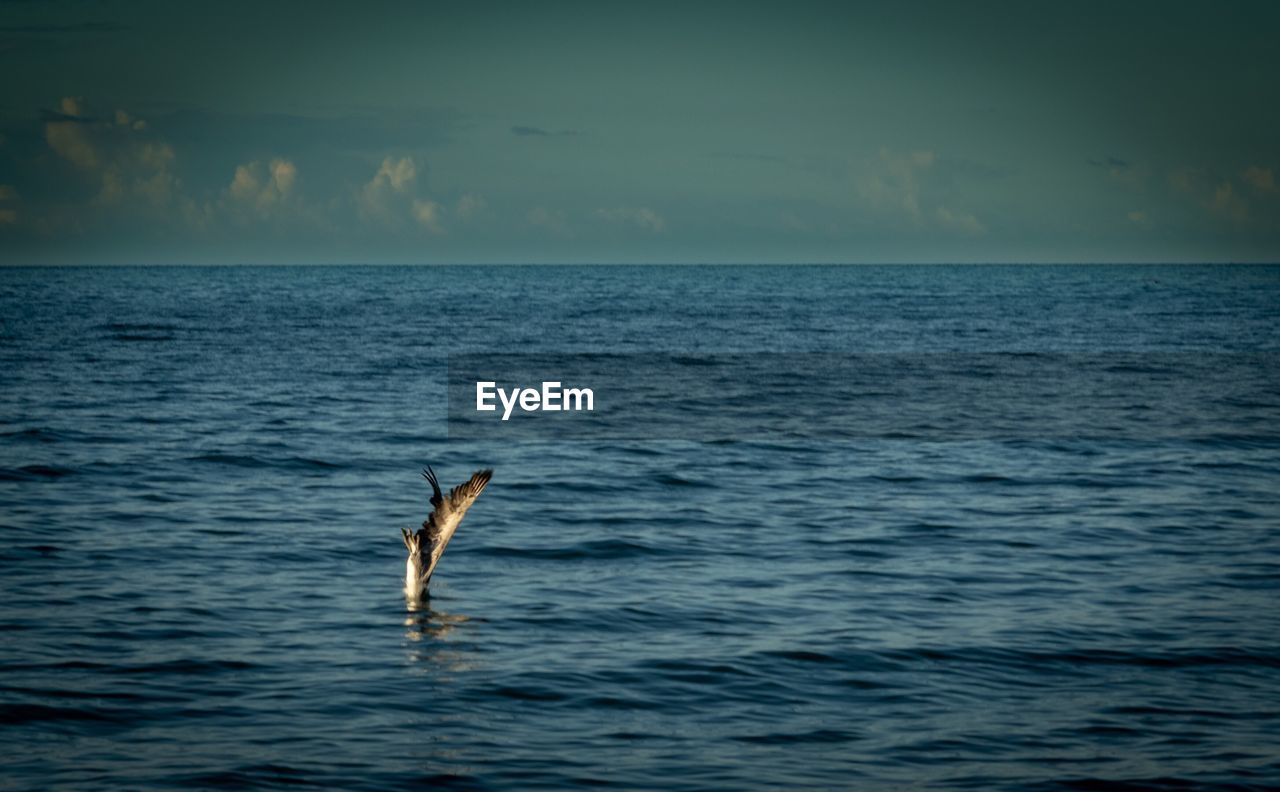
[(632, 132)]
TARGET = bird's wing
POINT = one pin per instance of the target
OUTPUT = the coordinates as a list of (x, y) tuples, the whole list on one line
[(430, 526), (448, 512), (430, 476), (460, 497)]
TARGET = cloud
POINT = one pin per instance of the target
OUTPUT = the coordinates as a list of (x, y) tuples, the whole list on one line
[(127, 164), (123, 118), (552, 221), (92, 173), (263, 188), (385, 198), (68, 132), (959, 221), (1219, 197), (1225, 202), (912, 185), (1260, 179), (146, 173), (427, 214), (641, 217), (399, 175), (895, 181), (391, 198)]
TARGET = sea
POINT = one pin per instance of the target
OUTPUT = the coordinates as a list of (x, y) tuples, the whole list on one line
[(964, 527)]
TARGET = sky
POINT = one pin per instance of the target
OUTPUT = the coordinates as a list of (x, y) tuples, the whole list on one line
[(388, 132)]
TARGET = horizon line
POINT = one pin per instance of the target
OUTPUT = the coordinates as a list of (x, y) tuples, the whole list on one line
[(176, 264)]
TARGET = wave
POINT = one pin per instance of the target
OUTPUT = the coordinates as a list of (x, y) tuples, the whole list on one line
[(601, 550), (180, 667), (261, 776), (1040, 661), (1133, 784), (251, 461), (131, 327), (34, 473), (34, 435), (26, 714), (786, 738), (672, 480)]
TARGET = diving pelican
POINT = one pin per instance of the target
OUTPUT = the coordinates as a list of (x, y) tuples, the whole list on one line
[(427, 545)]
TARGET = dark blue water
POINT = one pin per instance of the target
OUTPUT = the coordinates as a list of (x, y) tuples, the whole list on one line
[(203, 473)]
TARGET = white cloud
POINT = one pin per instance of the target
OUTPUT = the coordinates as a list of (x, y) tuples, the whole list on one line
[(388, 194), (70, 138), (132, 172), (395, 177), (125, 120), (553, 221), (959, 221), (427, 214), (1226, 203), (1219, 197), (392, 199), (400, 175), (72, 105), (897, 184), (641, 217), (894, 182), (131, 168), (283, 175), (143, 172), (263, 188)]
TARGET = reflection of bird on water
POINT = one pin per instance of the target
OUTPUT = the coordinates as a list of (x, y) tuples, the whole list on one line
[(428, 544), (422, 622), (431, 647)]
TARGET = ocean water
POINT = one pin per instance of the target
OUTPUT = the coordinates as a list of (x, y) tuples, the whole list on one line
[(203, 473)]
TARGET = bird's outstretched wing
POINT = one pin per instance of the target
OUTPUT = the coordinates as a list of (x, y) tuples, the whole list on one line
[(447, 512), (460, 497), (430, 476)]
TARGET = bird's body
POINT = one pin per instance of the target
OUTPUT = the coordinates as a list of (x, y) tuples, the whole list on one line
[(428, 544)]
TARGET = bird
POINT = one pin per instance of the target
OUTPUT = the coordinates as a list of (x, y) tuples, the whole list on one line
[(427, 545)]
